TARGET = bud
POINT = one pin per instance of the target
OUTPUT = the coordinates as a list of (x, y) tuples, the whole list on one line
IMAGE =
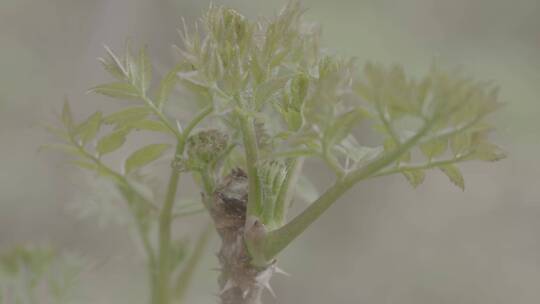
[(206, 147)]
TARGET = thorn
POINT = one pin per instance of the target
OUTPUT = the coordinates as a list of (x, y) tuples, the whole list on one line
[(281, 271), (267, 286), (263, 279), (228, 285)]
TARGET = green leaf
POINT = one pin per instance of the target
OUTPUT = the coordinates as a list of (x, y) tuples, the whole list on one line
[(148, 125), (166, 86), (460, 143), (113, 65), (127, 116), (299, 89), (487, 152), (144, 156), (454, 175), (434, 148), (113, 69), (414, 177), (67, 117), (342, 126), (130, 63), (111, 142), (268, 88), (119, 90), (144, 69), (194, 78), (89, 128)]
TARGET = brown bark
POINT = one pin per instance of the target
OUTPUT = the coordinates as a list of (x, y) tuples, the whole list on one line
[(240, 281)]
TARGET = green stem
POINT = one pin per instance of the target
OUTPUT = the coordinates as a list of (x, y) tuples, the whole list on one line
[(165, 220), (278, 239), (386, 124), (166, 216), (161, 116), (196, 120), (254, 206), (185, 277), (428, 165)]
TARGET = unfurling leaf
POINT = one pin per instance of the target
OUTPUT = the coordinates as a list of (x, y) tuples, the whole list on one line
[(454, 175), (111, 142), (144, 156), (120, 90), (89, 128), (414, 177)]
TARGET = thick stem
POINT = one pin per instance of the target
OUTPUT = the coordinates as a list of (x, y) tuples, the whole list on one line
[(240, 281)]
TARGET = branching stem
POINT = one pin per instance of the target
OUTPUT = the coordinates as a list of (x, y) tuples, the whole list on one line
[(278, 239)]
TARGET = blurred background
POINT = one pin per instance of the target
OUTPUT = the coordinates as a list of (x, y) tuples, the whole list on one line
[(384, 243)]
